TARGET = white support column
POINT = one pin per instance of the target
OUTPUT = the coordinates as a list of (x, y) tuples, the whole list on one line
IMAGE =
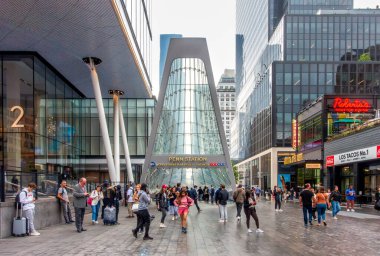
[(102, 116), (116, 141), (126, 149)]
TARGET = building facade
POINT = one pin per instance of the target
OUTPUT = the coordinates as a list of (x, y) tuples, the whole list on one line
[(289, 53), (226, 98), (164, 45), (187, 143)]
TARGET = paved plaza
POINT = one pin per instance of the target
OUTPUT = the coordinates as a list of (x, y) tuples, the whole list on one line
[(284, 234)]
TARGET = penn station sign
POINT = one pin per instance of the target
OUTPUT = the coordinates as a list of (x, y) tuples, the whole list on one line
[(363, 154), (187, 161)]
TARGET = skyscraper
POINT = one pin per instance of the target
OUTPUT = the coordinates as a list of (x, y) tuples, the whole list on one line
[(226, 98), (164, 45), (290, 52)]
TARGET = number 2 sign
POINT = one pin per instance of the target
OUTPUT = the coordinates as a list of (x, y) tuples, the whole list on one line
[(20, 116)]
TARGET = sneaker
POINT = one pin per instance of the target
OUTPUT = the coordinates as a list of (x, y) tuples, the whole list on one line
[(93, 222), (238, 219), (324, 223), (276, 210), (305, 225), (221, 221), (173, 218), (259, 231), (184, 230), (281, 210), (311, 224), (176, 217), (140, 232), (134, 232), (352, 210), (96, 222), (147, 238), (250, 231), (314, 219), (335, 218), (225, 220), (35, 233), (162, 225), (348, 210)]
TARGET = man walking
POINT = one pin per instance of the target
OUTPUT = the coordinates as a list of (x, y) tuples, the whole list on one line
[(212, 194), (335, 199), (221, 201), (193, 195), (306, 202), (65, 203), (80, 201), (239, 200)]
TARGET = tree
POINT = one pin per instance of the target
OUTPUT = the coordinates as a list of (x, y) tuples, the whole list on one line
[(236, 173)]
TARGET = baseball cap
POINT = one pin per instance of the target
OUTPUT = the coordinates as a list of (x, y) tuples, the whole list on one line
[(164, 186)]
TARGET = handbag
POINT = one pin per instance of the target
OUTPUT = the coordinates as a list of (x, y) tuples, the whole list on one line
[(251, 202), (89, 201), (135, 207)]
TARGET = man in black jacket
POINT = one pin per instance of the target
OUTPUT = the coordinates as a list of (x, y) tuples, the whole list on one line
[(194, 196), (221, 201)]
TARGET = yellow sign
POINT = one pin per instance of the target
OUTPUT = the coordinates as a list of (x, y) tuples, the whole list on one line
[(313, 166), (293, 159)]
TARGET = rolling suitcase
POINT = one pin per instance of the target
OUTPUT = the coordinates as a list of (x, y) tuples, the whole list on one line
[(20, 225), (109, 217)]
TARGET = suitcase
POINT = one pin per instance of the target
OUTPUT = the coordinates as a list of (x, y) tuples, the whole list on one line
[(20, 225), (109, 217)]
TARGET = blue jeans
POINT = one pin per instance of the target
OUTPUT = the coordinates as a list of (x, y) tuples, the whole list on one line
[(321, 208), (307, 210), (95, 211), (335, 208)]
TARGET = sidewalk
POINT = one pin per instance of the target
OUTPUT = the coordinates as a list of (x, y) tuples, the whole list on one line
[(284, 234)]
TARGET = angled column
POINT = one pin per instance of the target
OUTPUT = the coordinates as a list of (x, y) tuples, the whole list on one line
[(92, 62), (115, 94), (126, 149)]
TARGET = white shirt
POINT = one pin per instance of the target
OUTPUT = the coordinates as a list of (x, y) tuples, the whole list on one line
[(130, 195), (27, 199)]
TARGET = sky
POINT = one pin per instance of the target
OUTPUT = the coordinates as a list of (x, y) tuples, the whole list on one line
[(212, 19)]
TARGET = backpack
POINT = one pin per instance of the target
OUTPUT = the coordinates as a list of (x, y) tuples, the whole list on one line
[(18, 204), (56, 194)]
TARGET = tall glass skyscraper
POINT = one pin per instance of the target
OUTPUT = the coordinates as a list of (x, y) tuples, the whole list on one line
[(164, 45), (290, 52)]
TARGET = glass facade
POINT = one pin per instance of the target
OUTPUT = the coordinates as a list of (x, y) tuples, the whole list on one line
[(188, 134), (164, 45), (315, 48), (48, 129)]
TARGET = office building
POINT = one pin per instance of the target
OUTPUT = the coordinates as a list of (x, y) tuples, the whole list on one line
[(226, 98), (289, 53), (164, 45)]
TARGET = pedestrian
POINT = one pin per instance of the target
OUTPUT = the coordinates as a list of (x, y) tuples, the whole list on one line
[(212, 194), (239, 198), (162, 204), (109, 196), (80, 195), (183, 202), (314, 204), (194, 196), (27, 200), (129, 200), (322, 203), (278, 198), (350, 198), (216, 199), (250, 210), (97, 197), (377, 199), (65, 203), (335, 199), (173, 210), (206, 194), (221, 201), (144, 201), (178, 188), (118, 197), (136, 201), (306, 202), (200, 194), (258, 192)]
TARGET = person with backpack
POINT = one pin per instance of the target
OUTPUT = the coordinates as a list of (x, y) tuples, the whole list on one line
[(221, 201), (162, 204), (96, 197), (26, 199), (109, 196), (118, 197), (65, 203), (239, 200), (212, 194), (194, 196)]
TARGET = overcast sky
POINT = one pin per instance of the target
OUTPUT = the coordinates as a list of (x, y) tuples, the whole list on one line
[(212, 19)]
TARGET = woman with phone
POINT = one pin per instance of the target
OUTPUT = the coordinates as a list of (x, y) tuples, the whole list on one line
[(183, 202), (250, 210)]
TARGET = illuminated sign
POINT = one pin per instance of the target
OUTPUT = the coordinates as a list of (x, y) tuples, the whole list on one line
[(313, 166), (16, 123), (363, 154), (351, 106), (295, 139), (293, 159), (217, 164)]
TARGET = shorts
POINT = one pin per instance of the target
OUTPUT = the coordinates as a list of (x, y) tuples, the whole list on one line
[(183, 210)]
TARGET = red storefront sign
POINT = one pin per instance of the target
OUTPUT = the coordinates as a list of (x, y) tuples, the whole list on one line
[(330, 161), (351, 106), (378, 152)]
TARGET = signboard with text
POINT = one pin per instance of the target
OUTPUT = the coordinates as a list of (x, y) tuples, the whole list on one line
[(363, 154)]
